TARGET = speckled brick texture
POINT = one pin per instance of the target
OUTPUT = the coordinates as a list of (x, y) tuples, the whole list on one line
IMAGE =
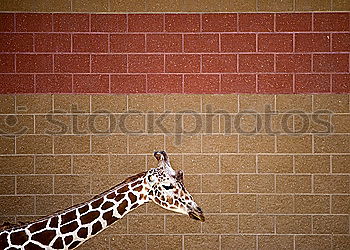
[(209, 53)]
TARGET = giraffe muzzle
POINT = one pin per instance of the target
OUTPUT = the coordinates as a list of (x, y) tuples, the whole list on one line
[(197, 214)]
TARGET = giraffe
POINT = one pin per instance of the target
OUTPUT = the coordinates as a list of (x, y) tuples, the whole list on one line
[(69, 228)]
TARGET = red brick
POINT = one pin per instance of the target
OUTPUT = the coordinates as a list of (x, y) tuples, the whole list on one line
[(312, 42), (125, 84), (293, 63), (202, 84), (238, 42), (202, 43), (71, 22), (108, 22), (290, 22), (146, 63), (219, 22), (275, 83), (72, 63), (255, 63), (238, 83), (312, 83), (256, 22), (331, 63), (341, 83), (91, 84), (341, 42), (52, 42), (13, 83), (128, 43), (162, 83), (90, 43), (52, 83), (108, 63), (182, 22), (145, 22), (275, 42), (164, 43), (331, 22), (7, 63), (7, 22), (27, 22), (217, 63), (16, 42), (182, 63), (34, 63)]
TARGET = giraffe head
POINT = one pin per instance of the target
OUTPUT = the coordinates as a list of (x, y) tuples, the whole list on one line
[(168, 190)]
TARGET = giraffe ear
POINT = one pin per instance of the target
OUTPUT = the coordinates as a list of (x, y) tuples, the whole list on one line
[(161, 155)]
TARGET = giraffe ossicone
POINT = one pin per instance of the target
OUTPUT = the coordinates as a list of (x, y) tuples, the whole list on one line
[(69, 228)]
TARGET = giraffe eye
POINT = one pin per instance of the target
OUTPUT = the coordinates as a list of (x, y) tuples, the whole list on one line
[(168, 187)]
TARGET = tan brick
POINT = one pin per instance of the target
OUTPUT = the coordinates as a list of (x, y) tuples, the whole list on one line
[(312, 164), (163, 123), (334, 103), (100, 241), (119, 227), (275, 204), (293, 224), (71, 103), (219, 143), (146, 224), (127, 164), (331, 184), (317, 5), (35, 184), (254, 183), (153, 208), (197, 123), (39, 6), (201, 242), (193, 183), (20, 205), (16, 124), (219, 183), (81, 198), (7, 104), (304, 242), (146, 103), (101, 183), (275, 242), (72, 144), (330, 224), (108, 103), (238, 242), (257, 144), (197, 6), (332, 144), (340, 5), (275, 123), (221, 224), (183, 103), (8, 185), (256, 103), (238, 203), (7, 145), (199, 164), (48, 204), (107, 144), (91, 164), (294, 103), (127, 6), (293, 183), (53, 124), (181, 224), (183, 143), (340, 204), (275, 5), (146, 143), (220, 103), (125, 242), (340, 242), (16, 165), (238, 163), (294, 144), (9, 219), (341, 123), (128, 123), (53, 164), (312, 123), (168, 6), (241, 123), (311, 204), (91, 124), (210, 203), (33, 104), (90, 6), (340, 164), (34, 144), (275, 164), (164, 242), (71, 184), (256, 224)]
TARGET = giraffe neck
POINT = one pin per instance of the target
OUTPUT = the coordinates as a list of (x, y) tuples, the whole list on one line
[(69, 228)]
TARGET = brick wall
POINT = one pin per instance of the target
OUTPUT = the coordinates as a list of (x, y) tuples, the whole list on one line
[(87, 98)]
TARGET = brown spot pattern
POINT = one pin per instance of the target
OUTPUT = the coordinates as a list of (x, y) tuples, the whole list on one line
[(32, 246), (83, 232), (44, 237), (111, 195), (74, 244), (54, 222), (70, 216), (89, 217), (3, 240), (138, 189), (132, 197), (58, 243), (136, 183), (119, 197), (107, 205), (97, 203), (37, 226), (123, 189), (18, 238), (122, 207), (108, 216), (96, 228), (68, 239), (83, 209), (134, 206), (69, 227)]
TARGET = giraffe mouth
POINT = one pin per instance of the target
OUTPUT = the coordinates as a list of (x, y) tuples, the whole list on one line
[(196, 216)]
